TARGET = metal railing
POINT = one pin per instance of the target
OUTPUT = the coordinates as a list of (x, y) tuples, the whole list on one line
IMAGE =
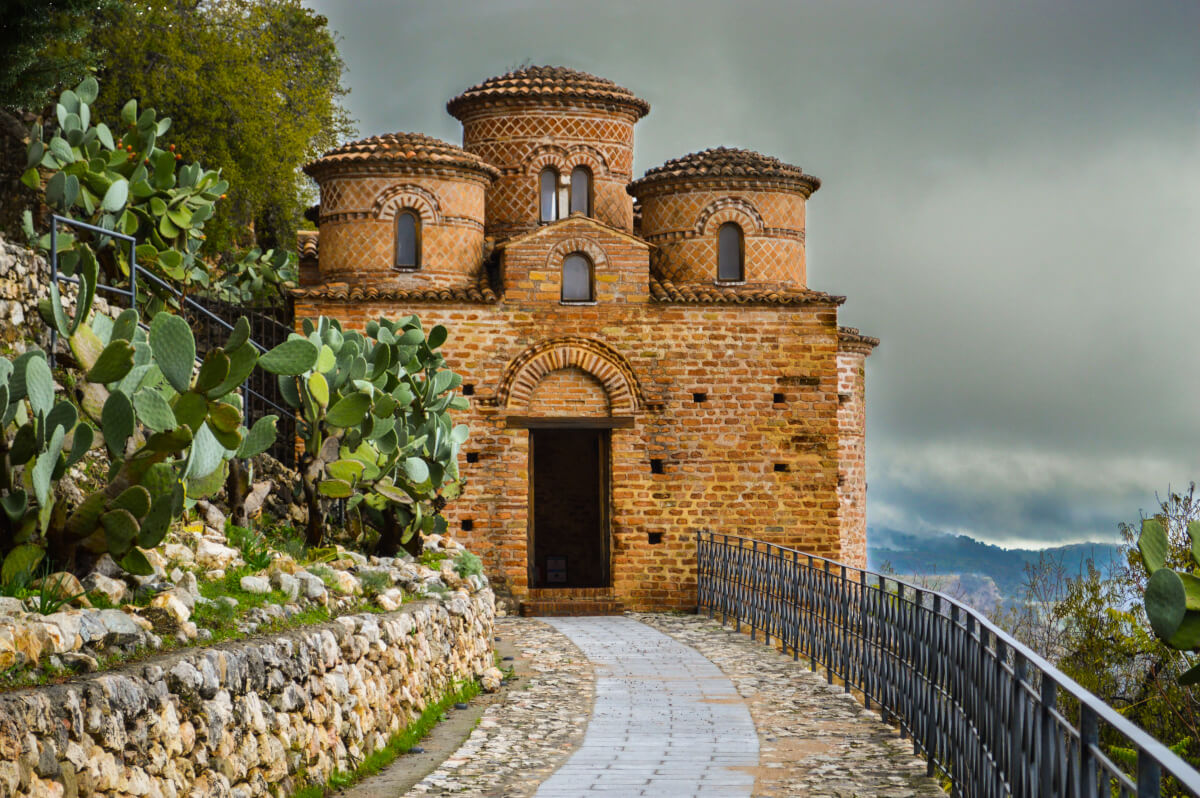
[(256, 403), (985, 711)]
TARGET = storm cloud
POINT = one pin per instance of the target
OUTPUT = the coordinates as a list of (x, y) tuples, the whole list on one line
[(1011, 201)]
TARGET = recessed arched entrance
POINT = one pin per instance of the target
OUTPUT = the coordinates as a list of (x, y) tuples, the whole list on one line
[(571, 394)]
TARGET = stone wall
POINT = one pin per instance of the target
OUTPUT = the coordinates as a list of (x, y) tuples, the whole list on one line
[(24, 279), (852, 454), (252, 718)]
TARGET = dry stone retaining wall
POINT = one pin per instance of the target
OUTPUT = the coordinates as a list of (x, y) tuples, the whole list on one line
[(254, 718)]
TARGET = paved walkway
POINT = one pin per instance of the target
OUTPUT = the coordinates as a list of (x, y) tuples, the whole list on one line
[(606, 705), (666, 721)]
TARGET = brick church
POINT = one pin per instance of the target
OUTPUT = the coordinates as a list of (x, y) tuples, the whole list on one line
[(644, 358)]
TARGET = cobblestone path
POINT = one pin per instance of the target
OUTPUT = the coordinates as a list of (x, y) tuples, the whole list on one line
[(810, 738)]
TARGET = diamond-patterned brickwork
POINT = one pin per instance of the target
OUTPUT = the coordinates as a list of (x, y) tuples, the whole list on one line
[(522, 141), (683, 226)]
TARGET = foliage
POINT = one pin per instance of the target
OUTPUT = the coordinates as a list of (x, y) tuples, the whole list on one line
[(168, 428), (257, 276), (254, 86), (374, 582), (467, 564), (129, 181), (44, 45), (1096, 630), (256, 551), (375, 425), (52, 595), (1172, 598)]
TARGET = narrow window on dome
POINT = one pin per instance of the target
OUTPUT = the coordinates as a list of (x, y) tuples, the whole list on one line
[(408, 240), (581, 190), (576, 278), (730, 253), (548, 185)]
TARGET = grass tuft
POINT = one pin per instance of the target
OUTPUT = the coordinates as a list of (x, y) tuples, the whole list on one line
[(400, 743)]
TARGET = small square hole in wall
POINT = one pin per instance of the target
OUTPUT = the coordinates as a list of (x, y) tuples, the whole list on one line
[(654, 537), (656, 466), (778, 398), (472, 457), (467, 525), (468, 389), (781, 467), (700, 396), (843, 398)]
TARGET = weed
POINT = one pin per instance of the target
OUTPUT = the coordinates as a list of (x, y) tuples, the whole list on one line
[(255, 549), (467, 564), (324, 573), (51, 597), (374, 582), (433, 559)]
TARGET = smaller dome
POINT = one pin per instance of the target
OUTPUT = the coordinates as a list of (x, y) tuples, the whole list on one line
[(400, 149), (727, 162), (548, 83)]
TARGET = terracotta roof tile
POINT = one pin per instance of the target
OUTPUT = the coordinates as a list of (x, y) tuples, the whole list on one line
[(726, 162), (415, 149), (548, 82), (851, 339), (667, 291), (481, 292)]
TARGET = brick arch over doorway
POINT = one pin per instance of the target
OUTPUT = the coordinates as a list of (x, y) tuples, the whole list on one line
[(609, 368)]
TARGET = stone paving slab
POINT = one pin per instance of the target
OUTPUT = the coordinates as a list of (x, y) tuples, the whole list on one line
[(815, 739), (666, 721)]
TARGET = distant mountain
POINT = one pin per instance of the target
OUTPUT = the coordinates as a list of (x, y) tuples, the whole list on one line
[(942, 555)]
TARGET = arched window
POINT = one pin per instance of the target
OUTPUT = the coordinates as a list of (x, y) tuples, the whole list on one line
[(408, 240), (548, 191), (730, 253), (581, 190), (576, 278)]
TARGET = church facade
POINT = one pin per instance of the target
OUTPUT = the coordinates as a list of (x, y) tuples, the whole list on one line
[(643, 358)]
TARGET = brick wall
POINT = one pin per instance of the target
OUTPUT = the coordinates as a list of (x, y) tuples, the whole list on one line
[(683, 225), (736, 461), (569, 391), (852, 451), (358, 233), (522, 139)]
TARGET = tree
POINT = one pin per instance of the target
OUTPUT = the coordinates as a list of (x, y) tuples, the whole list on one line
[(43, 45), (253, 88)]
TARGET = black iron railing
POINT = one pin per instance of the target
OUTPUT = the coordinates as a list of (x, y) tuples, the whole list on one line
[(987, 713), (260, 392)]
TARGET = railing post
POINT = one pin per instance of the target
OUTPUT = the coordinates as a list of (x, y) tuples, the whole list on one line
[(54, 282), (933, 676), (753, 587), (826, 623), (796, 599), (1149, 776), (737, 615), (1045, 765), (1089, 735)]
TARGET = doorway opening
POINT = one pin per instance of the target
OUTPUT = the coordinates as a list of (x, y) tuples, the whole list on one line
[(569, 500)]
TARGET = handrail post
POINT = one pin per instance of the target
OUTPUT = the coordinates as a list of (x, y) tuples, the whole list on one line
[(753, 584), (1049, 696), (827, 622), (1149, 775), (1089, 735)]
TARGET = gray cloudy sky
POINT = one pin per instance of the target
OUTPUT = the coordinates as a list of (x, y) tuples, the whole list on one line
[(1011, 201)]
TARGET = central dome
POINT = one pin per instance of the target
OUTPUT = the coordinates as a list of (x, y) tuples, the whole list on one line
[(548, 83)]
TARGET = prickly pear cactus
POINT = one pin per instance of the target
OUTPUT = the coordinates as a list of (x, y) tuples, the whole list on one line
[(130, 180), (169, 429), (1172, 598), (375, 419)]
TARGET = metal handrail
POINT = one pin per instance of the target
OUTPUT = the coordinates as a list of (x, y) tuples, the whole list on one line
[(132, 292), (981, 707)]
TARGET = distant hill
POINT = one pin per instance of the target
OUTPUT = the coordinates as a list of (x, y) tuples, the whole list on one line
[(935, 554)]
